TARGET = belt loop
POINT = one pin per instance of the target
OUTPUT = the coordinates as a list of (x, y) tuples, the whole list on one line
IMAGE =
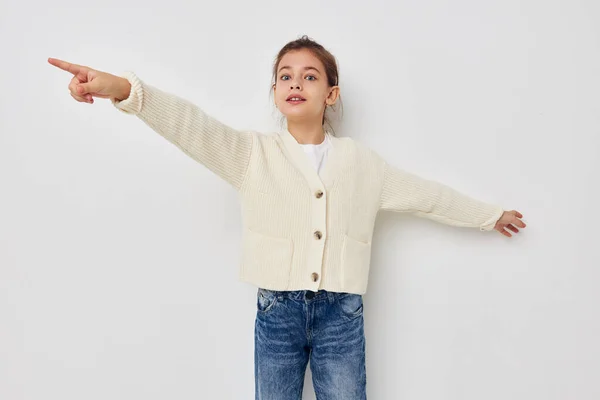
[(331, 297)]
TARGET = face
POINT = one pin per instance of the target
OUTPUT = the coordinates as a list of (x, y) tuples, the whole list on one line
[(301, 74)]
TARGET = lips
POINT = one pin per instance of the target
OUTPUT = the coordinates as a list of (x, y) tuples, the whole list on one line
[(295, 96)]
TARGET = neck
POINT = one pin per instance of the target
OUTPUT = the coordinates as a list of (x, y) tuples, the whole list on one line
[(306, 132)]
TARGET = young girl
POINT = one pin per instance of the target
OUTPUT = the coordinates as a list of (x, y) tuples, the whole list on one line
[(309, 202)]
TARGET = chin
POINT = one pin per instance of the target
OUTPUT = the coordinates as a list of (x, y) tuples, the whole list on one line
[(291, 112), (296, 116)]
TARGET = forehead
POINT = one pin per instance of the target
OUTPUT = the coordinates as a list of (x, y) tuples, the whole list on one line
[(300, 59)]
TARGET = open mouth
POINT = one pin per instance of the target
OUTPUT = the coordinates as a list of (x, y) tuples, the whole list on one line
[(295, 99)]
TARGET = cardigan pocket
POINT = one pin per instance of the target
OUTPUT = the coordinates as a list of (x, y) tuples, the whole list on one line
[(266, 260), (356, 257)]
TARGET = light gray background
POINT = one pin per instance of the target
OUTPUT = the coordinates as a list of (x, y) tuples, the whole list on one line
[(119, 254)]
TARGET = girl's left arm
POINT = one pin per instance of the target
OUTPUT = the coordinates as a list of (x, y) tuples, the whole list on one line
[(403, 191)]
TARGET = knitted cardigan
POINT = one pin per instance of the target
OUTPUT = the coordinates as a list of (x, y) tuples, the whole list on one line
[(302, 231)]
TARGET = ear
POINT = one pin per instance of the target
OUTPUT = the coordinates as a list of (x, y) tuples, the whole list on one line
[(334, 94)]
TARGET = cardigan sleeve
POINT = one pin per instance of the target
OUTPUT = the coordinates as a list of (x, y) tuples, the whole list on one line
[(403, 191), (221, 149)]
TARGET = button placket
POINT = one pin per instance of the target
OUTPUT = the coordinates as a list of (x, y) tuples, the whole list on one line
[(318, 234)]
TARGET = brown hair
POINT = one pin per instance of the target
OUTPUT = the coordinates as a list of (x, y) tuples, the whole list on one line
[(328, 60)]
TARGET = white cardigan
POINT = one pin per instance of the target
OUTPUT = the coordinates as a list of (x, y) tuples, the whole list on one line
[(302, 231)]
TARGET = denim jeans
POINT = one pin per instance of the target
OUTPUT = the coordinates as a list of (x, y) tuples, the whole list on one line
[(293, 327)]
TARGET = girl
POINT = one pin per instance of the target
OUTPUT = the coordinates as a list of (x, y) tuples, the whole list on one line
[(309, 202)]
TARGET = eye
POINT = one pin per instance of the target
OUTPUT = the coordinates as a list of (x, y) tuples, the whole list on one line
[(283, 76), (312, 76)]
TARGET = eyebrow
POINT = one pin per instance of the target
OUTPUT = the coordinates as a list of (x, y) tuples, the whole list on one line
[(305, 68)]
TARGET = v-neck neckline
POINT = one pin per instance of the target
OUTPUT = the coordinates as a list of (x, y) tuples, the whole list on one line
[(321, 145), (303, 163)]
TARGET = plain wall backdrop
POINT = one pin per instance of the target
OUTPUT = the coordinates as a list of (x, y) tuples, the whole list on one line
[(119, 254)]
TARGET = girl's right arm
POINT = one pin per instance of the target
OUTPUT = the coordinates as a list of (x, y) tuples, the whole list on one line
[(222, 149)]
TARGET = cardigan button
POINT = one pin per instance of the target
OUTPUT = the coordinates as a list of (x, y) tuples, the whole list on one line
[(315, 276), (318, 234), (319, 194)]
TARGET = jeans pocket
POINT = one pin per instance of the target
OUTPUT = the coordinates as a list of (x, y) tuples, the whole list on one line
[(350, 305), (266, 300)]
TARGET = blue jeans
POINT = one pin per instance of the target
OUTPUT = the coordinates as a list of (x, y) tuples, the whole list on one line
[(293, 327)]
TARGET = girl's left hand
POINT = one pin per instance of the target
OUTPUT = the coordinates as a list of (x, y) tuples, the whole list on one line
[(509, 220)]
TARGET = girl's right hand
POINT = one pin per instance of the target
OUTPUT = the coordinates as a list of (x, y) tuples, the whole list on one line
[(88, 83)]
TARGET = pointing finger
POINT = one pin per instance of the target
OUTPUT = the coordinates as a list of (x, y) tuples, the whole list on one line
[(66, 66)]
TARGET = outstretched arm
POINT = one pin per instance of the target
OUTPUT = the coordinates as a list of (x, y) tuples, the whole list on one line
[(220, 148), (403, 191)]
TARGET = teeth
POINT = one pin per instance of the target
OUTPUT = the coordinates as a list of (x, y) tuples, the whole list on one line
[(295, 98)]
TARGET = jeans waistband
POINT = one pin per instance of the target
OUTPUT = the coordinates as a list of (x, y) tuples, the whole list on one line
[(304, 294)]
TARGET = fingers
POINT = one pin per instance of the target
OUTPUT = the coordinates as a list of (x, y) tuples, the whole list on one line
[(516, 213), (82, 99), (503, 228), (512, 223), (77, 90), (503, 231), (72, 68), (516, 220), (77, 94), (86, 88)]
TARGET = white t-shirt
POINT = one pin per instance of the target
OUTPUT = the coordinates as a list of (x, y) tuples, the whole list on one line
[(318, 153)]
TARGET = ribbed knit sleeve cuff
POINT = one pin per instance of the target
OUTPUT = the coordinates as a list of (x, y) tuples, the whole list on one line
[(132, 104)]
